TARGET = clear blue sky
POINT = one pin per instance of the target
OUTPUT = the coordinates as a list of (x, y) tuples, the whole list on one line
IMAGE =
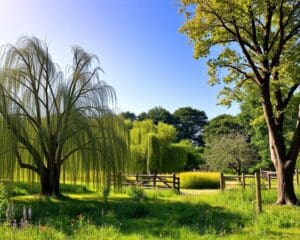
[(145, 58)]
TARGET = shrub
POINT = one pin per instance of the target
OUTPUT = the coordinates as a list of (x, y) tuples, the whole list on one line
[(138, 194), (4, 198), (199, 180), (105, 194)]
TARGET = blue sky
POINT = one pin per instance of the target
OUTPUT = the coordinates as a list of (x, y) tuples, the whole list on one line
[(145, 58)]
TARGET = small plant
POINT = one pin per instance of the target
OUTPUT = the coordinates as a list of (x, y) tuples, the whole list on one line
[(10, 213), (4, 198), (138, 194), (105, 194)]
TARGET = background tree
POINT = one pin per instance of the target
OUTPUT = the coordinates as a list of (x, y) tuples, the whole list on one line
[(139, 144), (159, 114), (153, 149), (142, 116), (251, 117), (128, 116), (230, 153), (51, 123), (260, 51), (194, 155), (220, 125), (189, 123)]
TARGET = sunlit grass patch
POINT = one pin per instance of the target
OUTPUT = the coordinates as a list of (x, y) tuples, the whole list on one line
[(159, 215), (199, 180)]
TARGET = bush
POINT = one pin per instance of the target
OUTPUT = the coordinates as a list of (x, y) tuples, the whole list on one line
[(199, 180), (4, 198), (22, 189), (105, 194), (138, 194)]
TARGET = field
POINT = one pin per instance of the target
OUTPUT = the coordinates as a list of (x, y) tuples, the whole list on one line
[(153, 214)]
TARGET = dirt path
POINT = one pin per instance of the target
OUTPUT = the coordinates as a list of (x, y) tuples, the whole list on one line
[(199, 191)]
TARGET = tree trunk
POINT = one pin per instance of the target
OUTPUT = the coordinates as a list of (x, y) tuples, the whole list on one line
[(49, 178), (285, 169), (283, 162), (285, 175)]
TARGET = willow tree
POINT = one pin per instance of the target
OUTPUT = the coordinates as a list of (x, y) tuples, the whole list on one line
[(258, 46), (146, 143), (51, 123)]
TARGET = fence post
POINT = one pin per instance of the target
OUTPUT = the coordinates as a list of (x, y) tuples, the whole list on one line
[(119, 180), (269, 180), (297, 176), (222, 182), (243, 180), (178, 182), (154, 179), (258, 193), (174, 180), (136, 178)]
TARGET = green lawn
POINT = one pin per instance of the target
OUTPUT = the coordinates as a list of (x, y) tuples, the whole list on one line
[(160, 214)]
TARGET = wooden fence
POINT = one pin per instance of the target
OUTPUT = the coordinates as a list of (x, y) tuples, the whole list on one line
[(241, 180), (267, 176), (161, 181)]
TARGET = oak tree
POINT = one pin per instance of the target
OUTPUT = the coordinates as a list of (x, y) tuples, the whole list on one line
[(259, 48)]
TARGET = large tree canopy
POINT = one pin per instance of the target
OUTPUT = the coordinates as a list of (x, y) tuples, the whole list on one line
[(189, 123), (128, 116), (160, 114), (220, 125), (259, 43), (51, 123)]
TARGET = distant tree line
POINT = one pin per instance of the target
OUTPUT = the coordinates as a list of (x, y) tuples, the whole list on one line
[(166, 142), (162, 141), (188, 122)]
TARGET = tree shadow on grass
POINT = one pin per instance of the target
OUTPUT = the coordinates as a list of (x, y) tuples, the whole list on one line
[(150, 218), (159, 217)]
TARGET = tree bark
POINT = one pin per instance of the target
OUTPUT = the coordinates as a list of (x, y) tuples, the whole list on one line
[(284, 163), (286, 193), (49, 179)]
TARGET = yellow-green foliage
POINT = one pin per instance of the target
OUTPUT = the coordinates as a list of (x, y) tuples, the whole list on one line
[(172, 158), (166, 133), (53, 123), (146, 142), (199, 180), (153, 153)]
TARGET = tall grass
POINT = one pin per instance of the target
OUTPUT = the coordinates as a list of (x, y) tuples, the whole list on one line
[(199, 180), (160, 215)]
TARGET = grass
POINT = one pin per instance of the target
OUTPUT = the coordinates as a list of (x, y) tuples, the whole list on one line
[(199, 180), (158, 214)]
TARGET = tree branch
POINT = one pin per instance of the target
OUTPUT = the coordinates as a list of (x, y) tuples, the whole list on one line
[(259, 79), (25, 165), (295, 144), (290, 94), (254, 35)]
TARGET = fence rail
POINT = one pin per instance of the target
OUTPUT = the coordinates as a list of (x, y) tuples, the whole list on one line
[(262, 175), (163, 181), (241, 180)]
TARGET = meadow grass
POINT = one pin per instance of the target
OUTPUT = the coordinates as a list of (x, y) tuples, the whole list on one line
[(158, 214), (199, 180)]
